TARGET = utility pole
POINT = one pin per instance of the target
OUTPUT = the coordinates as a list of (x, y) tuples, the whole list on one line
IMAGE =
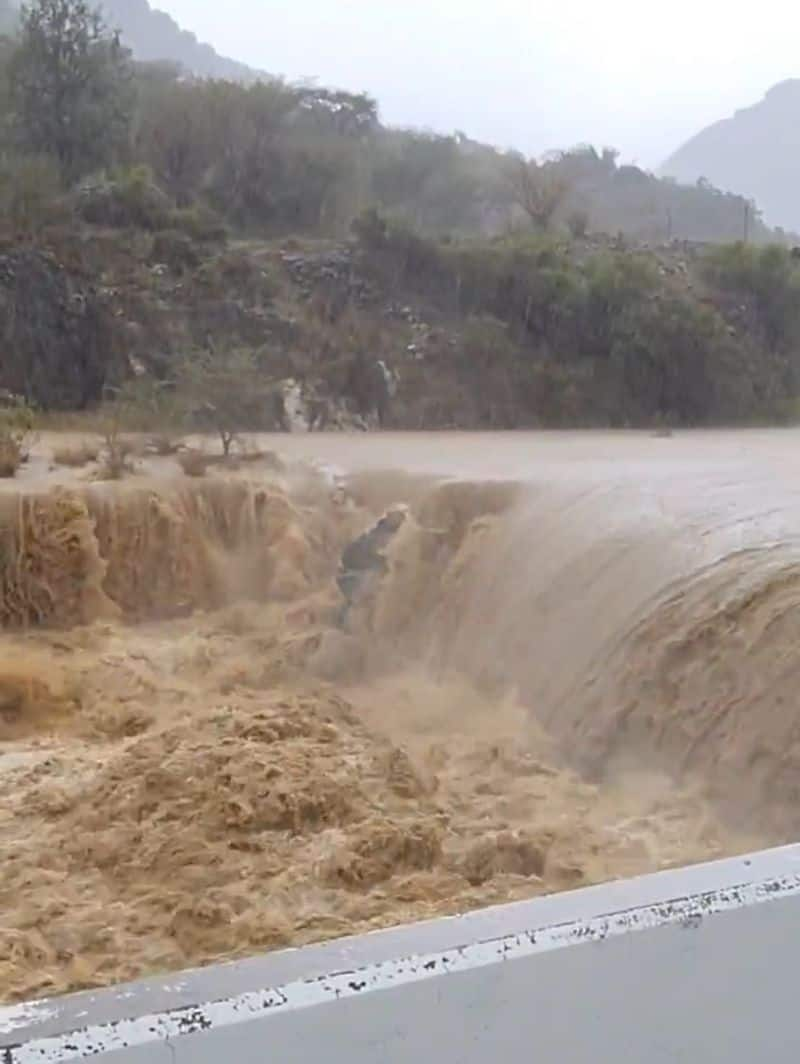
[(746, 222)]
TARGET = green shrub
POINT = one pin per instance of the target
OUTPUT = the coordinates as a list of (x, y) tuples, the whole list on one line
[(399, 254), (370, 229), (578, 223), (199, 223), (17, 434), (236, 271), (30, 194), (126, 199), (609, 339), (768, 279), (176, 250)]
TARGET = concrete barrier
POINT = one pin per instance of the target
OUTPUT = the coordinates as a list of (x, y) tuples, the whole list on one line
[(697, 965)]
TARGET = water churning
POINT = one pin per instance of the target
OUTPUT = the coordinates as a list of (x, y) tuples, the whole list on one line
[(579, 665)]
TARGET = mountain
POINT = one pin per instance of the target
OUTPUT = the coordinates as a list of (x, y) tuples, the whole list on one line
[(755, 153), (152, 35)]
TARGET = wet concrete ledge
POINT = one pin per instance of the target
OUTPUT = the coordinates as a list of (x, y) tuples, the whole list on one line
[(697, 964)]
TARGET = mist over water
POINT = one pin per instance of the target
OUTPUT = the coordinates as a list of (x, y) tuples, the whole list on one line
[(637, 594)]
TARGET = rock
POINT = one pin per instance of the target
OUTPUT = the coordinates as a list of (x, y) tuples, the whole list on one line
[(296, 409), (391, 379)]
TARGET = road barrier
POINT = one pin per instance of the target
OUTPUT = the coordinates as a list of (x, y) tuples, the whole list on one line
[(696, 965)]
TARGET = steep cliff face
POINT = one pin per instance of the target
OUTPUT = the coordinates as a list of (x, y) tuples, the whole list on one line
[(756, 152)]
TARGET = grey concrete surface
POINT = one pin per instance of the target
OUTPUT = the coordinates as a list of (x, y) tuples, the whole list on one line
[(694, 965)]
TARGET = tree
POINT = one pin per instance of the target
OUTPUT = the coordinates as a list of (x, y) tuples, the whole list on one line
[(249, 133), (333, 110), (72, 86), (225, 392), (435, 182), (175, 135), (538, 190)]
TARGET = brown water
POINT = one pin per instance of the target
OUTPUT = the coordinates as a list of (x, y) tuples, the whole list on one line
[(583, 665)]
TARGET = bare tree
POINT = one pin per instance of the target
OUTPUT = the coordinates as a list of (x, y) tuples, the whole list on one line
[(537, 189)]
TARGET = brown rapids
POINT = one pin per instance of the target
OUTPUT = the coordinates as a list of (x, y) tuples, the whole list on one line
[(583, 665)]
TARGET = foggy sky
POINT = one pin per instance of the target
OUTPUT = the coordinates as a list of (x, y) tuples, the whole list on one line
[(532, 74)]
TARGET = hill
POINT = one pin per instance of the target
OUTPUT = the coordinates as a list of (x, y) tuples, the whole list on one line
[(153, 35), (755, 153), (402, 331), (181, 232)]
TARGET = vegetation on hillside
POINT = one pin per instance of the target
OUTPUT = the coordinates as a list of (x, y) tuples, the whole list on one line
[(17, 421), (547, 290), (275, 158), (612, 336), (71, 89)]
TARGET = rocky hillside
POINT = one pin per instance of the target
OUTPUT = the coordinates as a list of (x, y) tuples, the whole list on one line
[(396, 330), (274, 245), (756, 153)]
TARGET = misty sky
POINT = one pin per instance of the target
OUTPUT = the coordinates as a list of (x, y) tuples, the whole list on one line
[(533, 74)]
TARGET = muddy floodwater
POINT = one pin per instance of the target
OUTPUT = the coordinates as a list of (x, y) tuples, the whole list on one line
[(581, 664)]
